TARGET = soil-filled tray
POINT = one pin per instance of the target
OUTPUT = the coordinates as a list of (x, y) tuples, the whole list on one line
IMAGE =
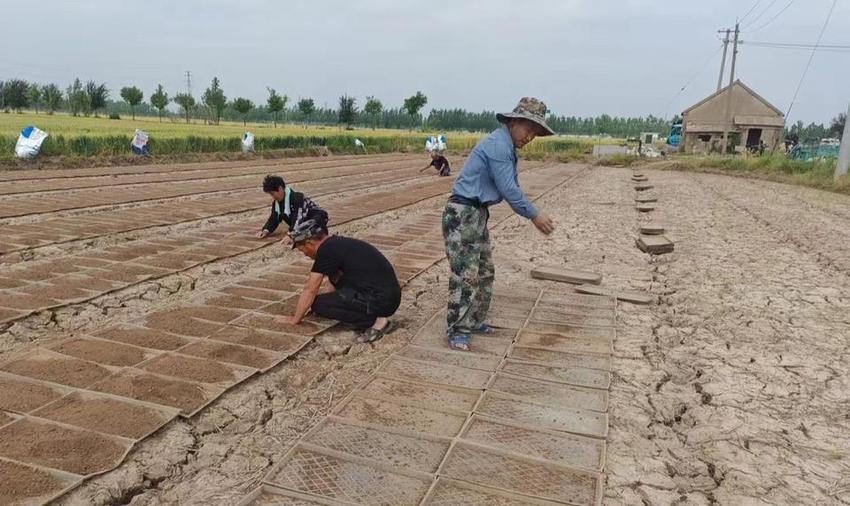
[(102, 352), (143, 337), (184, 395), (56, 446), (275, 341), (25, 485), (196, 369), (20, 395), (104, 414), (57, 368)]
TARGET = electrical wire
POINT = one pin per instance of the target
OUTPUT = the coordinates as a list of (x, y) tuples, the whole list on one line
[(771, 20), (700, 69), (762, 13), (790, 44), (811, 57), (835, 48), (749, 11)]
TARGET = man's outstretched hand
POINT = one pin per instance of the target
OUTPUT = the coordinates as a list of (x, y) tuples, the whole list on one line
[(262, 234), (544, 224)]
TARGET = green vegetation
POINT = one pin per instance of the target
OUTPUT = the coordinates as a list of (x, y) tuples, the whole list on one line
[(160, 100), (243, 106), (186, 103), (347, 110), (81, 136), (133, 96), (306, 107), (413, 104), (216, 101), (275, 104), (776, 167), (372, 110)]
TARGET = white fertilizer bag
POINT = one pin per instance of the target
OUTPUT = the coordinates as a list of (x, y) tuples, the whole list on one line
[(139, 144), (248, 142), (29, 142)]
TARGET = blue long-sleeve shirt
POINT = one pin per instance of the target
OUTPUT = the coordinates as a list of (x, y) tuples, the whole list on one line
[(490, 174)]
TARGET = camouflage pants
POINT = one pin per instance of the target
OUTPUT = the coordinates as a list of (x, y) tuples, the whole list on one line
[(471, 261)]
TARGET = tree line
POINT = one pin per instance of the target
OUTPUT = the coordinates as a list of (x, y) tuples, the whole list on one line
[(213, 105), (814, 132)]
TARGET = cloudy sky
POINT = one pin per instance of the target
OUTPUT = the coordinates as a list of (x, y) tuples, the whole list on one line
[(583, 57)]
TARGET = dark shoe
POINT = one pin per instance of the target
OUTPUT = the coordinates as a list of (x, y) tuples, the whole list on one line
[(372, 334), (485, 328)]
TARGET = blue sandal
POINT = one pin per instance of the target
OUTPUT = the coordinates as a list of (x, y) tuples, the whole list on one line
[(459, 342), (485, 328)]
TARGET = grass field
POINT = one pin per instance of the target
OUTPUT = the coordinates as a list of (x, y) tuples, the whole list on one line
[(777, 167), (81, 136)]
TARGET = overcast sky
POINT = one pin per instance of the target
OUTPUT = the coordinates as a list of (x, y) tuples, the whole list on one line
[(582, 57)]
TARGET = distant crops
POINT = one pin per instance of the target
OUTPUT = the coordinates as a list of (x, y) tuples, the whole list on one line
[(84, 137)]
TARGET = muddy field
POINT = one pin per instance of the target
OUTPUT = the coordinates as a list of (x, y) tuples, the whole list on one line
[(730, 389)]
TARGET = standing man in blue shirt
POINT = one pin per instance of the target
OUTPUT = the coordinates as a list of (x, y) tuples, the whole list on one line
[(488, 177)]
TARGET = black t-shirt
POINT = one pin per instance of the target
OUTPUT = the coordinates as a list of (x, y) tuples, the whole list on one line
[(355, 263), (441, 164)]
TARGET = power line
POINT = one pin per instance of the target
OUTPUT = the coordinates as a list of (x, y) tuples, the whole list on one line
[(804, 46), (752, 21), (751, 10), (811, 57), (788, 45), (700, 69), (771, 20)]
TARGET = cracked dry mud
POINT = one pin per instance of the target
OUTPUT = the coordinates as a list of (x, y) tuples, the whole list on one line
[(732, 389)]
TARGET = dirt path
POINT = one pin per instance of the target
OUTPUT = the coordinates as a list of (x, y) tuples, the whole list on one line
[(734, 386)]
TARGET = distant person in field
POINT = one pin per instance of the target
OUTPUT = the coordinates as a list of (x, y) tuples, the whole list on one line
[(288, 206), (488, 177), (439, 162), (366, 290)]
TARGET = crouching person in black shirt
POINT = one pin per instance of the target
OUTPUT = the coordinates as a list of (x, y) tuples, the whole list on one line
[(439, 162), (290, 207), (366, 290)]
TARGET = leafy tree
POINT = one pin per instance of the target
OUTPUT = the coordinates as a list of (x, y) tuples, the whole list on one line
[(347, 110), (186, 102), (275, 104), (15, 94), (414, 103), (836, 127), (78, 100), (214, 99), (306, 107), (243, 106), (373, 109), (133, 96), (52, 96), (159, 99), (34, 96), (98, 94)]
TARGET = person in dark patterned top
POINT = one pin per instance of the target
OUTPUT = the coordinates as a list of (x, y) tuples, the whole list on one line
[(289, 206)]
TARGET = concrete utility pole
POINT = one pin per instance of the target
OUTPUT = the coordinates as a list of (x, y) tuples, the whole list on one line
[(844, 151), (727, 121), (189, 82), (723, 61)]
